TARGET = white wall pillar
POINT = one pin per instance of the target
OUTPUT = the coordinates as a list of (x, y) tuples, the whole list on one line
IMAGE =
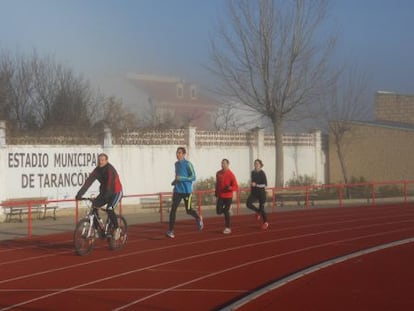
[(2, 134), (3, 159), (190, 139), (319, 157), (107, 143), (260, 142), (257, 148)]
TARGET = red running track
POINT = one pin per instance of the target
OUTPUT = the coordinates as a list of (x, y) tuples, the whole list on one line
[(209, 271)]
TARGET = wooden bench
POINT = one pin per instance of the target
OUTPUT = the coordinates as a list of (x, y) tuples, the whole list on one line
[(17, 207), (298, 197), (153, 203)]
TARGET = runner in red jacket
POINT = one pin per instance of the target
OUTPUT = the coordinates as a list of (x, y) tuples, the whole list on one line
[(226, 183)]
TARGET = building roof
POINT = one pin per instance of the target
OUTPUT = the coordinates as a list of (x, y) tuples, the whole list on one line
[(163, 91), (387, 124)]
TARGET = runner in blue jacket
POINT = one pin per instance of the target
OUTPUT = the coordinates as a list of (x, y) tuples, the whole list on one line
[(183, 188)]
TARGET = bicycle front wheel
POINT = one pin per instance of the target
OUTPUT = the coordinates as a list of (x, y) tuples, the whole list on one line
[(84, 237), (119, 243)]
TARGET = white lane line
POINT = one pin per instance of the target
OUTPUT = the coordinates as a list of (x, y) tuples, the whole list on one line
[(25, 259), (302, 273), (122, 290), (253, 262), (216, 220), (119, 275), (26, 276)]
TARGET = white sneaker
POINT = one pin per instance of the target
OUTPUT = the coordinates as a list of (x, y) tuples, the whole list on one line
[(227, 231), (200, 223), (117, 233), (170, 234)]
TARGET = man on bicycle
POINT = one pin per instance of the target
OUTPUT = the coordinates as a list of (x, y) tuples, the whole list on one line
[(110, 189)]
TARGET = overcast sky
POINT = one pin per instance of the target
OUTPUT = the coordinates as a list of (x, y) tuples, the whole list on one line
[(105, 39)]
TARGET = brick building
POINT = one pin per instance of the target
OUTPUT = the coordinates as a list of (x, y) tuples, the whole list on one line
[(394, 107), (175, 102), (381, 150)]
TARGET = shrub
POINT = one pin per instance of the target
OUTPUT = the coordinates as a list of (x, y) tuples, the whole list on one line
[(300, 180), (360, 191), (206, 184), (390, 191), (326, 193)]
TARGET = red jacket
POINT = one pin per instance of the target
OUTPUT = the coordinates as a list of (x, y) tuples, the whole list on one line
[(108, 179), (226, 183)]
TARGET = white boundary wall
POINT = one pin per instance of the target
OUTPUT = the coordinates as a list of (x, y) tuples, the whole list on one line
[(46, 170)]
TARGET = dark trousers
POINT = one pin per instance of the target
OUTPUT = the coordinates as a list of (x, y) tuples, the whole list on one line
[(110, 206), (223, 207), (176, 199), (261, 198)]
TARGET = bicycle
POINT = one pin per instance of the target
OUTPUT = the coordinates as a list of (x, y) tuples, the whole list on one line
[(91, 228)]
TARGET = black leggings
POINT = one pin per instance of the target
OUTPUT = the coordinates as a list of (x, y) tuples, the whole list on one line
[(261, 197), (110, 206), (223, 207), (176, 199)]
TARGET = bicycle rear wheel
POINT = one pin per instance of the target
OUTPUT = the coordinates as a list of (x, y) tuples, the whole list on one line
[(84, 237), (119, 244)]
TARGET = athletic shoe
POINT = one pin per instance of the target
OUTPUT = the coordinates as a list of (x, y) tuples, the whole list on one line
[(265, 225), (258, 216), (170, 234), (227, 231), (200, 223), (117, 233)]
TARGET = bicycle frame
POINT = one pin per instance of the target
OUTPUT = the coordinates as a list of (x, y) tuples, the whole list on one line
[(92, 227), (96, 221)]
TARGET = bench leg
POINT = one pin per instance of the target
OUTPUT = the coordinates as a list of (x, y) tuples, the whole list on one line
[(45, 213)]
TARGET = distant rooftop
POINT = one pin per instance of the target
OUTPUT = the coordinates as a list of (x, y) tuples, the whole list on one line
[(392, 93), (385, 92), (154, 78), (387, 124)]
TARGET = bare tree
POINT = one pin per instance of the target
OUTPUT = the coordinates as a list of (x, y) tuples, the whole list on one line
[(116, 116), (41, 93), (46, 72), (3, 105), (347, 102), (230, 116), (18, 86), (270, 59), (224, 118), (71, 104), (156, 118)]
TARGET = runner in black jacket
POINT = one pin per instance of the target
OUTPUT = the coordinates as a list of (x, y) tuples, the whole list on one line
[(258, 185)]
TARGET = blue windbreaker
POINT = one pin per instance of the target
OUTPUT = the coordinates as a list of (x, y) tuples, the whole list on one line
[(186, 175)]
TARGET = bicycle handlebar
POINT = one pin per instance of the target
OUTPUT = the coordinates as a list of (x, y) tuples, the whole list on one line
[(103, 208), (86, 199)]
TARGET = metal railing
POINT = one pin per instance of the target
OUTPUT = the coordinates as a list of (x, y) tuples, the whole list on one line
[(332, 195)]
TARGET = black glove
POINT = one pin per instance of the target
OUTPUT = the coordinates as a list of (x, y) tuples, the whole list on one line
[(227, 188), (173, 182)]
